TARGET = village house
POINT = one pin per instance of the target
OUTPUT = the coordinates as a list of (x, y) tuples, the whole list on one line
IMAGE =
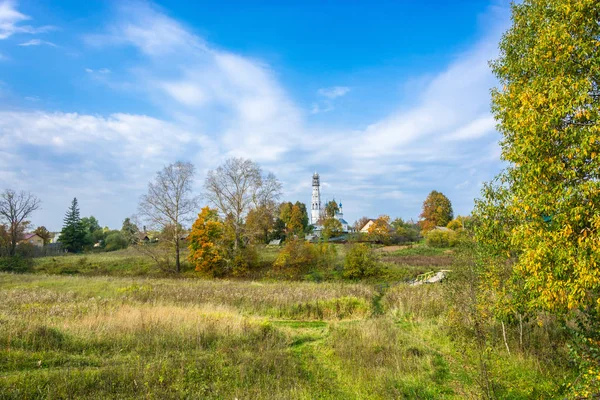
[(33, 239)]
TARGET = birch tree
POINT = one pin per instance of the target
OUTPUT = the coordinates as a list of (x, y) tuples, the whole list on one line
[(169, 204), (238, 186)]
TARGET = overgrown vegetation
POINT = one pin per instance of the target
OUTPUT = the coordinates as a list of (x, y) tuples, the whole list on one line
[(97, 337)]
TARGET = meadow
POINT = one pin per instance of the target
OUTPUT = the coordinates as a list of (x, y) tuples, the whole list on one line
[(102, 326)]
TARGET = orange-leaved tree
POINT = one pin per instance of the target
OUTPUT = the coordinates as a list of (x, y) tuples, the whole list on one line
[(207, 252), (437, 211)]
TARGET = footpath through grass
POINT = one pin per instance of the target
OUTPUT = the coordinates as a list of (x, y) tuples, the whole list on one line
[(107, 337)]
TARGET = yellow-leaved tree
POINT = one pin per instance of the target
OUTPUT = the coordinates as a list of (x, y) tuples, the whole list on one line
[(206, 243), (539, 222), (381, 230)]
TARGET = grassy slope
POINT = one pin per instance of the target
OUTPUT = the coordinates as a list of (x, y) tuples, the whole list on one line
[(401, 265), (116, 337)]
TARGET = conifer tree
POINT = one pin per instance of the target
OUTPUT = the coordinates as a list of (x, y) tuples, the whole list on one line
[(72, 235)]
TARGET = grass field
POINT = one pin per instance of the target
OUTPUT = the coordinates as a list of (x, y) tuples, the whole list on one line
[(134, 337), (402, 263)]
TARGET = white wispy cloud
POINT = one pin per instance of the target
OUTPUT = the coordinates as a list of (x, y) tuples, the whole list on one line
[(83, 153), (194, 80), (334, 92), (37, 42), (220, 104), (11, 21), (102, 71), (329, 94)]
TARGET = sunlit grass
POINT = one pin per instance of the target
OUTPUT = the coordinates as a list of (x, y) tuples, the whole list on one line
[(108, 337)]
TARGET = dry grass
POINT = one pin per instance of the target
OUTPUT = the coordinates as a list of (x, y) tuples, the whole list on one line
[(415, 303), (123, 338)]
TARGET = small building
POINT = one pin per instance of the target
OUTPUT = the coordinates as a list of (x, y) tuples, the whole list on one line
[(369, 224), (365, 228), (442, 229), (32, 238)]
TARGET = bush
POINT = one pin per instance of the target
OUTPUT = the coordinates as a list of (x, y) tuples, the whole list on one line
[(17, 264), (361, 262), (115, 241), (296, 258), (244, 260), (439, 238)]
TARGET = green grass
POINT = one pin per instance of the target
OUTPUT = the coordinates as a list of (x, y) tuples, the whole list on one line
[(91, 337), (401, 265)]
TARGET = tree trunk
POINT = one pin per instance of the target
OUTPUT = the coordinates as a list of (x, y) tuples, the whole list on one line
[(504, 337), (521, 331), (13, 242), (177, 265)]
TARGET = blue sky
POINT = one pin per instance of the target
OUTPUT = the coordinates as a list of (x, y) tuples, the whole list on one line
[(387, 100)]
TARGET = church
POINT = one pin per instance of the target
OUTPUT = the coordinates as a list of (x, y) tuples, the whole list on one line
[(317, 212)]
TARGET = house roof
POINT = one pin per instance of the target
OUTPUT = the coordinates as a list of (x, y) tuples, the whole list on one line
[(28, 236)]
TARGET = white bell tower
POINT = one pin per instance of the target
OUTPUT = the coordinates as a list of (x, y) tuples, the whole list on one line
[(315, 207)]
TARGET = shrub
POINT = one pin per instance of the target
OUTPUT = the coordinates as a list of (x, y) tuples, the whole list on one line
[(115, 241), (361, 262), (439, 238), (296, 258), (244, 260), (18, 264)]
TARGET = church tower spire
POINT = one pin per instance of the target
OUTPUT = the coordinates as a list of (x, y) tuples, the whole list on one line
[(315, 208)]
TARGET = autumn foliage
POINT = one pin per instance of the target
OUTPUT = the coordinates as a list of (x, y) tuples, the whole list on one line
[(437, 211), (380, 230), (205, 243), (541, 216)]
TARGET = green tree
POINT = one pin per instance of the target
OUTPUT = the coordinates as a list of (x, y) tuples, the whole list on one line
[(304, 215), (437, 211), (278, 231), (542, 215), (331, 228), (93, 231), (115, 240), (73, 232), (90, 224), (285, 211), (331, 208), (4, 240), (130, 231)]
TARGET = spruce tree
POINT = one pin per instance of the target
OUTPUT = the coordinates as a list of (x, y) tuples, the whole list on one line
[(72, 235)]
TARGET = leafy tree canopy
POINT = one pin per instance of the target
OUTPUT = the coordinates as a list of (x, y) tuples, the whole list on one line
[(437, 211), (541, 216)]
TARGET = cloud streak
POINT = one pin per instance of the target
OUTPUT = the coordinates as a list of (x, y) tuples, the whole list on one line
[(11, 22), (37, 42)]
